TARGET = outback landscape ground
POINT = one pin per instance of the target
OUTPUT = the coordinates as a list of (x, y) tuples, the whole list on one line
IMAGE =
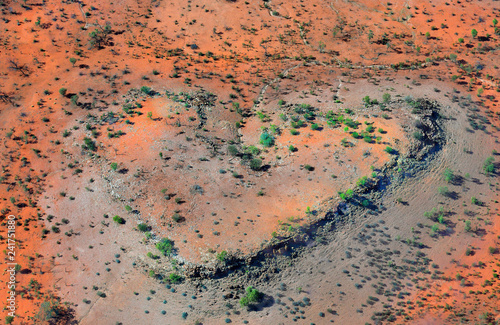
[(269, 162)]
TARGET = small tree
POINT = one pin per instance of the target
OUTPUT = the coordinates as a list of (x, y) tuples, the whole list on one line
[(73, 61), (63, 91), (100, 37), (474, 33), (114, 166)]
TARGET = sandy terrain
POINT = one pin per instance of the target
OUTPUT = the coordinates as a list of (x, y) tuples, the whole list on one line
[(296, 147)]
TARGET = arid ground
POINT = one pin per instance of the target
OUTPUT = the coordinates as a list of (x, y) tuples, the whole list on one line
[(250, 162)]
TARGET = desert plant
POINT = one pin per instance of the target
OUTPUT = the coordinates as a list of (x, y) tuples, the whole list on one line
[(100, 37), (146, 90), (346, 195), (175, 278), (252, 295), (255, 164), (89, 144), (233, 150), (475, 201), (266, 139), (443, 190), (222, 256), (390, 150), (114, 166), (474, 33), (165, 246), (448, 175), (467, 227), (119, 220), (489, 166)]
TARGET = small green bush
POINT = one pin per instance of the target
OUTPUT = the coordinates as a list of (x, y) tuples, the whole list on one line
[(266, 139), (119, 220), (222, 256), (390, 150), (255, 164), (165, 246), (175, 278), (252, 295)]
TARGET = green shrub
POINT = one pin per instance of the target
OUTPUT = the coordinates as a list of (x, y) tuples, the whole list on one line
[(114, 166), (147, 90), (475, 201), (418, 135), (63, 91), (390, 150), (74, 100), (177, 217), (143, 227), (489, 166), (119, 220), (255, 164), (468, 227), (222, 256), (165, 246), (347, 195), (89, 144), (252, 295), (233, 150), (175, 278), (266, 139), (448, 175), (443, 190)]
